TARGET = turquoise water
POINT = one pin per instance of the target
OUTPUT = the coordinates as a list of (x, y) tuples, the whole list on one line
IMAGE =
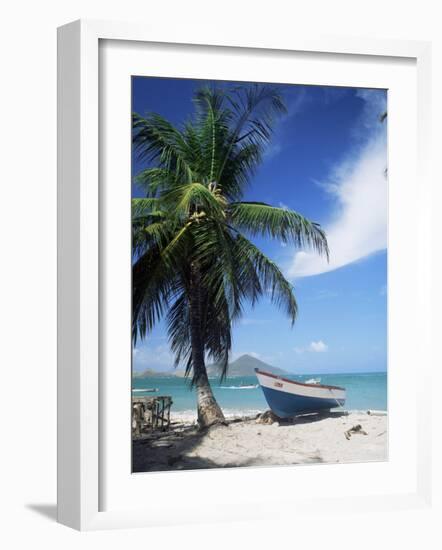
[(364, 391)]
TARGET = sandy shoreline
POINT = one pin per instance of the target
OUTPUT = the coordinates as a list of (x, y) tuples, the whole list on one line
[(244, 442)]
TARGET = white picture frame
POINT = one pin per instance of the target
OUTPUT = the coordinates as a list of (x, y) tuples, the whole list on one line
[(80, 438)]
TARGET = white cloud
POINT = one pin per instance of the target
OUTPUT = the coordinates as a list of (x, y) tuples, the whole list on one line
[(359, 185), (314, 347), (318, 347), (375, 105), (295, 102), (272, 150)]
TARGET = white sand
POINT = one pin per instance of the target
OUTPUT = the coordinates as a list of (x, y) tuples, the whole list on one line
[(247, 443)]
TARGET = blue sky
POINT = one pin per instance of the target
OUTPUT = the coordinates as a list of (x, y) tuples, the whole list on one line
[(327, 160)]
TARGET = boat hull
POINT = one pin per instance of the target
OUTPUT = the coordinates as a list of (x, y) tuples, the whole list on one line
[(288, 398)]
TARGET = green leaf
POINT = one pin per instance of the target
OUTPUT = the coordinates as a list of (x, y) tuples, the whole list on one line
[(278, 223)]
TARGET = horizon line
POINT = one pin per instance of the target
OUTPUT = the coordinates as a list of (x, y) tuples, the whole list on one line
[(286, 371)]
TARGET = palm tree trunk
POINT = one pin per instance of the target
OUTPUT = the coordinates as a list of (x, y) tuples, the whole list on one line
[(209, 412)]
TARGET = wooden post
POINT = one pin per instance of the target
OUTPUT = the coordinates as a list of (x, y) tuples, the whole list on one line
[(153, 412), (168, 413)]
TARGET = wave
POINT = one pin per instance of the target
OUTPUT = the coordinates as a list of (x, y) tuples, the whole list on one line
[(245, 387)]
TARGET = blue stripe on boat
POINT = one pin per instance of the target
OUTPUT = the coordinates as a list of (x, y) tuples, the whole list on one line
[(286, 405)]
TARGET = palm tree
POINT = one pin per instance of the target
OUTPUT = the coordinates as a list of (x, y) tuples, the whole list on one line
[(193, 262)]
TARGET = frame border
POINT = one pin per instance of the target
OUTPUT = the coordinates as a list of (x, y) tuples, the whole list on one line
[(78, 255)]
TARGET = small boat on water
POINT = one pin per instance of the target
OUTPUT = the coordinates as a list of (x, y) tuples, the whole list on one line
[(289, 398), (151, 390), (240, 387)]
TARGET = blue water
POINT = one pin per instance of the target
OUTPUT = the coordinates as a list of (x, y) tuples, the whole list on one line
[(364, 391)]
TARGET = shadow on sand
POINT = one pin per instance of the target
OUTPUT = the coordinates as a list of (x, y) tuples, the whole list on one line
[(310, 418), (167, 451)]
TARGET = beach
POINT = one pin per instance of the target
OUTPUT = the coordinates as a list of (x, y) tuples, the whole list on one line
[(336, 437)]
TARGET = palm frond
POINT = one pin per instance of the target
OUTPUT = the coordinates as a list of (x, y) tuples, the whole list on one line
[(193, 199), (145, 207), (255, 108), (156, 140), (178, 327), (271, 278), (242, 164), (218, 334), (153, 284), (279, 223), (152, 235), (153, 180), (220, 277)]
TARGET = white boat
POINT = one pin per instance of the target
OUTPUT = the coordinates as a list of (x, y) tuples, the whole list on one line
[(288, 398)]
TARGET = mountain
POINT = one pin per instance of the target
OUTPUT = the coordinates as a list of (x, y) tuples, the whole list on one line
[(245, 366)]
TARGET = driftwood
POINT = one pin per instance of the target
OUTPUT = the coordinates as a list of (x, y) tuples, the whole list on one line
[(151, 413), (355, 430), (267, 417)]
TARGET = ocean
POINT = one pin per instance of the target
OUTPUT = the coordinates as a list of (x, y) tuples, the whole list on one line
[(364, 391)]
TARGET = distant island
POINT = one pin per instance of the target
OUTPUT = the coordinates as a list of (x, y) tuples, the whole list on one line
[(243, 366)]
